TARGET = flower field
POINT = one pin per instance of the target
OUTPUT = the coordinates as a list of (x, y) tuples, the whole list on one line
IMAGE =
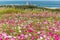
[(43, 26)]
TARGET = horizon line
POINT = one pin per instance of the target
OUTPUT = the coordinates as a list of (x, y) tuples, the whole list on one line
[(25, 0)]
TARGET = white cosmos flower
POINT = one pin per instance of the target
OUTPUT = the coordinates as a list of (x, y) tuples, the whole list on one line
[(38, 32), (30, 34), (22, 25), (19, 27), (9, 36), (44, 36), (19, 30), (40, 38)]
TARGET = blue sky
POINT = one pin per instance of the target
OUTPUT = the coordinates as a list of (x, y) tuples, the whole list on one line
[(30, 0)]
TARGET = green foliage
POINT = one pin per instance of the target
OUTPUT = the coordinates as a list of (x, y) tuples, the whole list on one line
[(17, 30), (8, 31), (4, 26), (25, 9)]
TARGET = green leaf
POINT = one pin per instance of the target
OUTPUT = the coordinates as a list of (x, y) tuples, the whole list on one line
[(51, 38), (17, 30), (4, 26), (8, 31)]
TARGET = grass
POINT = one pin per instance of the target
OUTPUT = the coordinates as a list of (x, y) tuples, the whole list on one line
[(25, 9)]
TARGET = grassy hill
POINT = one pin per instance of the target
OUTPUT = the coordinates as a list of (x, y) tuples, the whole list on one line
[(25, 9)]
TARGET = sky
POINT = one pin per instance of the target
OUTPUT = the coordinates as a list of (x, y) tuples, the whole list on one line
[(30, 0)]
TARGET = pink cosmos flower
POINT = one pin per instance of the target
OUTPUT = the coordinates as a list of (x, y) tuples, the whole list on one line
[(50, 34), (47, 38), (18, 36), (22, 36), (7, 38), (1, 37), (26, 36), (29, 30), (32, 37), (57, 23), (4, 34), (13, 38), (56, 37), (46, 12), (45, 22)]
